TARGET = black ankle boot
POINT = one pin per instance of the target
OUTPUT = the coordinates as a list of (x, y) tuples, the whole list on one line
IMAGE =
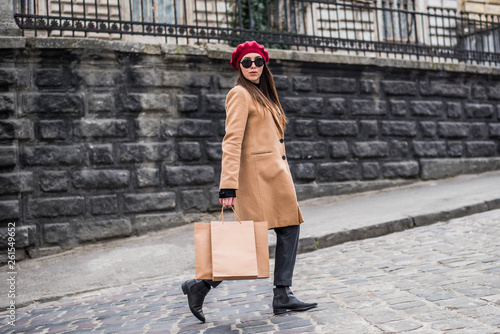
[(196, 292), (284, 300)]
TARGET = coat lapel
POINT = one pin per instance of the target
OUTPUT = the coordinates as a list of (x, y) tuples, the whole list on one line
[(278, 124)]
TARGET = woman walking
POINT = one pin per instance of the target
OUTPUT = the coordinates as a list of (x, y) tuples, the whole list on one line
[(255, 175)]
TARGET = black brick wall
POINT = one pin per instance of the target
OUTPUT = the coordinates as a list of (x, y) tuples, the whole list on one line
[(106, 144)]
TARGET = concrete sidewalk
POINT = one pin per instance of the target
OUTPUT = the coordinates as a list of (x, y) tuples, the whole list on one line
[(328, 221)]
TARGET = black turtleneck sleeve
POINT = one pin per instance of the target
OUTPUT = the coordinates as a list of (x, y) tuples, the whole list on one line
[(224, 193)]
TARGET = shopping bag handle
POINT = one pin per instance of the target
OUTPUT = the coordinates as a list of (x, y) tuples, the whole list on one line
[(221, 216)]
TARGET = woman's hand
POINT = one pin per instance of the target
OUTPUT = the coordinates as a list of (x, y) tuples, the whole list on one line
[(227, 202)]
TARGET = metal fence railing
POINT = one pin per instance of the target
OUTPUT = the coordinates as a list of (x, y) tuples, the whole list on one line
[(389, 29)]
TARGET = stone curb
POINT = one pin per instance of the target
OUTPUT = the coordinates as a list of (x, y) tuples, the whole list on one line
[(309, 244)]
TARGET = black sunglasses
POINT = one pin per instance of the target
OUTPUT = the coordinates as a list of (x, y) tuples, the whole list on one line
[(247, 63)]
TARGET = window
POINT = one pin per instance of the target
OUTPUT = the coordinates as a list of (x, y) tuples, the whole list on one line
[(157, 11), (399, 22)]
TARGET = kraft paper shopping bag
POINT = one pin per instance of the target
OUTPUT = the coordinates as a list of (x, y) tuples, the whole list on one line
[(203, 250), (262, 245), (234, 253)]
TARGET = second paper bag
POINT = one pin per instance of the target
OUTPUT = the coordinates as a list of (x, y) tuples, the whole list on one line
[(234, 253)]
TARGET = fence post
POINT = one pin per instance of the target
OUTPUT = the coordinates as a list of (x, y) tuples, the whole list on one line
[(8, 26)]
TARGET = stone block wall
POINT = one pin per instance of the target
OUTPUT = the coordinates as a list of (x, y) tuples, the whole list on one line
[(103, 140)]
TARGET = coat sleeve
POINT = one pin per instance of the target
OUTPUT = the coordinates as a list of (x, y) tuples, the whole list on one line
[(236, 121)]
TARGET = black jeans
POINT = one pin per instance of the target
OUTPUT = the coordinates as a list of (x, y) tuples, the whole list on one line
[(287, 240)]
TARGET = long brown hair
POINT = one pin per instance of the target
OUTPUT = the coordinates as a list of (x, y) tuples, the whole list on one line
[(267, 95)]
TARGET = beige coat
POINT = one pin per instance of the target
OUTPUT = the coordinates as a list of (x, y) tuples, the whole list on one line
[(254, 163)]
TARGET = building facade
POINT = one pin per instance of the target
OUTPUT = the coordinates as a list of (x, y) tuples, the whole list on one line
[(331, 27)]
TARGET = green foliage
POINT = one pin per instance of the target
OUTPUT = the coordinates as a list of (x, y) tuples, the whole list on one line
[(254, 15), (258, 16)]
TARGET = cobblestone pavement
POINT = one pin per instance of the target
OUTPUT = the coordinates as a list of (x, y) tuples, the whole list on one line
[(443, 278)]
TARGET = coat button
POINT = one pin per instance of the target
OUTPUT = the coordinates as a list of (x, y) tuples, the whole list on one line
[(282, 140), (283, 157)]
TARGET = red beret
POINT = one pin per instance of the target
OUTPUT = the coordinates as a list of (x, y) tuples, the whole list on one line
[(246, 48)]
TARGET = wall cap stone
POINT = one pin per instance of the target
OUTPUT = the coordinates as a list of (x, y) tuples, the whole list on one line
[(92, 44), (221, 51), (12, 42), (174, 49)]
